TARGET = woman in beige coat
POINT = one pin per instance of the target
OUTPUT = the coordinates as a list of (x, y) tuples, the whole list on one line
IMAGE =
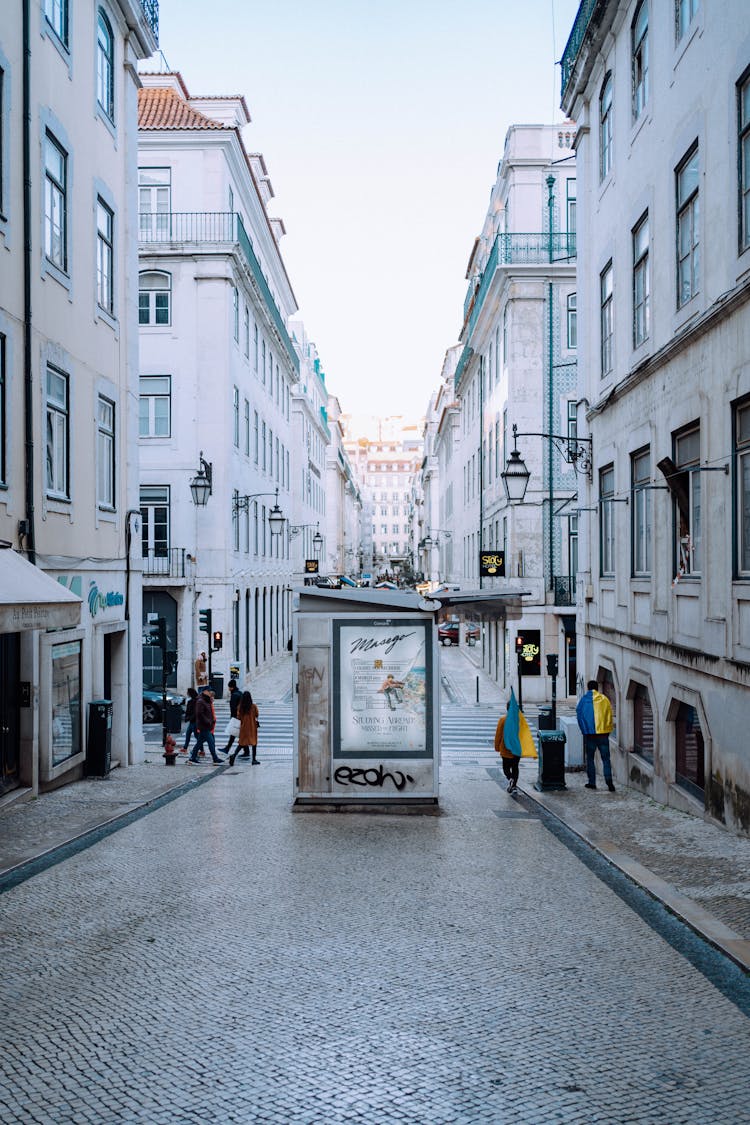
[(247, 713)]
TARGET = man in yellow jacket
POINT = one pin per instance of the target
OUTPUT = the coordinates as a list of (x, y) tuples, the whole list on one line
[(594, 714)]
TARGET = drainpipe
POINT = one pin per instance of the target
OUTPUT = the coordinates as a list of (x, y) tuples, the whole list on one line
[(550, 342), (28, 390)]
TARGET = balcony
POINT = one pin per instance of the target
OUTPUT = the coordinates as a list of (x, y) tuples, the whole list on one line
[(221, 229), (575, 42), (167, 562), (151, 12), (564, 587), (516, 249)]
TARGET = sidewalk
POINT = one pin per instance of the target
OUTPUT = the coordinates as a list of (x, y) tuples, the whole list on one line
[(33, 832), (696, 868)]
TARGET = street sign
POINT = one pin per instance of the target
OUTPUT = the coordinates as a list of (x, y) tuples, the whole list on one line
[(311, 566), (492, 564)]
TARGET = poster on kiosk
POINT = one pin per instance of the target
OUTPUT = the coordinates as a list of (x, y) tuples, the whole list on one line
[(384, 727)]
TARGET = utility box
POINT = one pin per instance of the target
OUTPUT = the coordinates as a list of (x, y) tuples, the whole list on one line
[(99, 741), (551, 761), (573, 743), (173, 718)]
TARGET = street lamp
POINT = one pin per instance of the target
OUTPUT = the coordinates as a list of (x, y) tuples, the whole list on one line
[(276, 518), (201, 486), (577, 451)]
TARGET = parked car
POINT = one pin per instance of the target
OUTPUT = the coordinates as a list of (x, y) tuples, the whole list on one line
[(448, 632), (152, 702)]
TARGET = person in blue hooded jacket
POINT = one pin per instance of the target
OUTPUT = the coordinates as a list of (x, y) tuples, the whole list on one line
[(594, 714)]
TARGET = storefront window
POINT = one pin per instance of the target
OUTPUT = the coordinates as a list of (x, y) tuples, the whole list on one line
[(643, 724), (689, 750), (66, 701)]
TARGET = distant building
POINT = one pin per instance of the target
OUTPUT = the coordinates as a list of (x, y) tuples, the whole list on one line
[(661, 97), (68, 384), (311, 438)]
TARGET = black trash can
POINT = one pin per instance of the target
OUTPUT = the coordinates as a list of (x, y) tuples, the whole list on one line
[(173, 718), (551, 760), (99, 741), (217, 685), (545, 720)]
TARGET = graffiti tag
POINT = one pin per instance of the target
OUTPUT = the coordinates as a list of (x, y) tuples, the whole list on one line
[(376, 776)]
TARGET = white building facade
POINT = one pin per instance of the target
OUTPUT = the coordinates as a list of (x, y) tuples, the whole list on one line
[(218, 372), (661, 97), (518, 367), (68, 370), (311, 439)]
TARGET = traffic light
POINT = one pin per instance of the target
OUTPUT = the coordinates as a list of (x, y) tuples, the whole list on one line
[(205, 620), (217, 639), (519, 644), (170, 661)]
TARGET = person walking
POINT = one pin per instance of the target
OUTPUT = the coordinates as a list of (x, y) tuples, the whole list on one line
[(192, 695), (512, 737), (233, 726), (205, 721), (594, 714), (201, 671), (247, 713)]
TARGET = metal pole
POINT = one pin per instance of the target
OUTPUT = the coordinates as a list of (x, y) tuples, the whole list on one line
[(554, 702), (520, 682), (477, 689)]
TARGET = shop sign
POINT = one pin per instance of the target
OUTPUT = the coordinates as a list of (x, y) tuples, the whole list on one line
[(530, 661), (492, 564), (311, 566), (99, 601)]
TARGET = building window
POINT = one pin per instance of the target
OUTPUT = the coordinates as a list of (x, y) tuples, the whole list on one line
[(105, 66), (104, 257), (572, 430), (572, 318), (256, 440), (684, 13), (58, 433), (155, 406), (3, 134), (105, 453), (236, 314), (154, 204), (155, 521), (686, 489), (607, 520), (641, 282), (605, 128), (742, 447), (247, 428), (744, 155), (236, 417), (688, 245), (263, 445), (55, 202), (247, 332), (255, 346), (56, 12), (570, 210), (154, 298), (689, 751), (640, 479), (263, 364), (639, 35), (606, 318), (643, 724), (3, 466)]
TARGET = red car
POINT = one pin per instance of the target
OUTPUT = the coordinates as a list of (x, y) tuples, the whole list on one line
[(448, 632)]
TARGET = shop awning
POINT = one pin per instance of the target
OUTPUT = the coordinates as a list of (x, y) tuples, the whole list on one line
[(30, 599)]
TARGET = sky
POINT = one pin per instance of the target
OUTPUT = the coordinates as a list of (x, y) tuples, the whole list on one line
[(382, 123)]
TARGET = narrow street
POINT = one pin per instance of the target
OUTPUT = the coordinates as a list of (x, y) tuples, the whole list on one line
[(222, 959)]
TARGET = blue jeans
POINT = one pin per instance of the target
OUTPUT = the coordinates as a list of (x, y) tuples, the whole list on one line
[(188, 735), (204, 736), (593, 743)]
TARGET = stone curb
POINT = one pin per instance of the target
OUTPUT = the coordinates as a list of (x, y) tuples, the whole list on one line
[(715, 932)]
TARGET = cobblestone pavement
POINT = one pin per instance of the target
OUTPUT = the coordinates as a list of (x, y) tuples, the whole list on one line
[(221, 960)]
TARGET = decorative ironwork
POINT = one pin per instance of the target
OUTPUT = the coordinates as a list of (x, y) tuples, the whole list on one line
[(575, 42), (167, 564), (564, 587), (151, 12)]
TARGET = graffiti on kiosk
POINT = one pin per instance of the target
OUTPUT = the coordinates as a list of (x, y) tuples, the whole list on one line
[(375, 776), (99, 601)]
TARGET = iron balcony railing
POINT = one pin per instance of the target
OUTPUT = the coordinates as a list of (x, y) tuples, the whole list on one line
[(564, 587), (511, 249), (151, 12), (166, 562), (575, 42), (218, 227)]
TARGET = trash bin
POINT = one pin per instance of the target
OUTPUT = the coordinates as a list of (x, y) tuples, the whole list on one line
[(551, 760), (99, 741), (173, 718), (545, 720), (217, 685)]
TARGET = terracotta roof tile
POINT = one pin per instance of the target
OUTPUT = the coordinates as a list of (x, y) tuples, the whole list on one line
[(160, 108)]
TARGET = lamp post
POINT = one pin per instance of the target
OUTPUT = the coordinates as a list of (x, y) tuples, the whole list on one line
[(577, 451), (201, 486), (276, 518)]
